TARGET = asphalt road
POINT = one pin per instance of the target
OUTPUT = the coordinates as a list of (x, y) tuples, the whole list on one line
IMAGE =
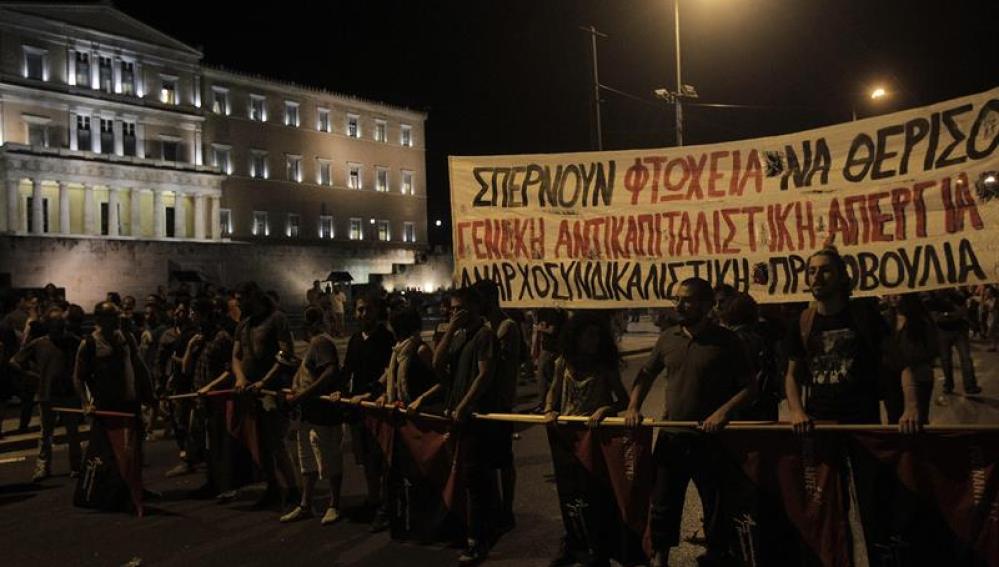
[(39, 526)]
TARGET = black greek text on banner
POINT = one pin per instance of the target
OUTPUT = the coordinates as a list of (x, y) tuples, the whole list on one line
[(910, 199)]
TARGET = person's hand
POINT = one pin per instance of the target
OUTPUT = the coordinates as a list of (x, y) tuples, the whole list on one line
[(356, 400), (89, 409), (336, 396), (801, 422), (459, 319), (551, 416), (380, 401), (909, 423), (596, 418), (414, 407), (632, 418), (460, 414), (715, 422), (240, 386), (196, 341)]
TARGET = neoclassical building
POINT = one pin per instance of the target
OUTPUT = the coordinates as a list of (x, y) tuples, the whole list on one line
[(118, 143)]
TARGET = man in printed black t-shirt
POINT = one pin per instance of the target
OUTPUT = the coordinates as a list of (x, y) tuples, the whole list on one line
[(834, 349)]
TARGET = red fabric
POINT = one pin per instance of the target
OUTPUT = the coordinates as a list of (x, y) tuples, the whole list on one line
[(241, 422), (124, 436), (437, 452)]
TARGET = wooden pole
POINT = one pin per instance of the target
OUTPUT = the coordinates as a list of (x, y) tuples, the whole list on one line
[(99, 413)]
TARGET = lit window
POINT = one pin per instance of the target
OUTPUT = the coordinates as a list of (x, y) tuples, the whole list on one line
[(325, 226), (258, 108), (381, 179), (222, 158), (170, 150), (353, 176), (35, 64), (407, 182), (353, 126), (220, 101), (294, 168), (380, 131), (325, 173), (38, 130), (290, 113), (168, 89), (45, 214), (356, 229), (323, 123), (127, 78), (383, 231), (406, 135), (258, 164), (292, 230), (260, 224), (225, 222), (82, 69), (105, 74), (408, 232)]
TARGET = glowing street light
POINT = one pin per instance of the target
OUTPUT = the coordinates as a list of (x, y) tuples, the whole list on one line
[(438, 223), (878, 93)]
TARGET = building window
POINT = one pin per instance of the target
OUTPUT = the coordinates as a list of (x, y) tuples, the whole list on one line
[(106, 220), (168, 89), (45, 215), (407, 182), (107, 136), (220, 101), (406, 135), (127, 78), (260, 225), (106, 74), (323, 122), (128, 138), (169, 225), (258, 164), (35, 63), (171, 149), (325, 173), (356, 229), (353, 176), (291, 113), (38, 130), (222, 158), (381, 179), (408, 232), (353, 126), (225, 222), (294, 168), (82, 69), (325, 226), (258, 108), (83, 133), (292, 229), (383, 231), (381, 129)]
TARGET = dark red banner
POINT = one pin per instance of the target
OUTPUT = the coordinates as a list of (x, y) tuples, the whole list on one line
[(241, 422)]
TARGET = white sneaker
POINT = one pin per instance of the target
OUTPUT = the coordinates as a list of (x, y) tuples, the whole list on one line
[(297, 514), (331, 516)]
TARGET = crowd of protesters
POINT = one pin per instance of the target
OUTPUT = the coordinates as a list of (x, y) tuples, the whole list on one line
[(725, 358)]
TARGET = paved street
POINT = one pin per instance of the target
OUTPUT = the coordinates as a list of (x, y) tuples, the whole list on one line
[(39, 526)]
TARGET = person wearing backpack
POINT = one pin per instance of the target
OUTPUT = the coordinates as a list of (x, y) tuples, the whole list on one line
[(834, 351)]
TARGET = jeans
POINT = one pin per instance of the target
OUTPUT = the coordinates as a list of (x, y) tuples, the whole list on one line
[(70, 421), (680, 458), (960, 340)]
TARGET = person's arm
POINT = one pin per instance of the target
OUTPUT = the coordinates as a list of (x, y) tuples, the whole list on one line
[(81, 369), (641, 386), (458, 318), (910, 421), (426, 356), (801, 422), (620, 395), (553, 398), (482, 378), (187, 362), (237, 367), (19, 362)]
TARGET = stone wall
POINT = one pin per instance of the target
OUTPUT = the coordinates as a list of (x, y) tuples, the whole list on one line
[(90, 267)]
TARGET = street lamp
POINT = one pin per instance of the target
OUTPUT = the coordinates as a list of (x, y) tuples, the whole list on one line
[(876, 94), (438, 223)]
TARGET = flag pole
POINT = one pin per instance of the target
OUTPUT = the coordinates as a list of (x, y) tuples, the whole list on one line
[(99, 413)]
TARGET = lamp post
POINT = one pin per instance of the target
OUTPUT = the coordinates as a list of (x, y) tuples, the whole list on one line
[(876, 94)]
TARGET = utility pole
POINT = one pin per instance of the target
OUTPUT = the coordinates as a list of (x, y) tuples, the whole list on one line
[(679, 81), (596, 85)]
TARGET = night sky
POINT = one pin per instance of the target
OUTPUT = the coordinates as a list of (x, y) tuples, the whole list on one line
[(514, 76)]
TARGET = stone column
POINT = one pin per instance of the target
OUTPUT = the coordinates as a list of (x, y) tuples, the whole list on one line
[(179, 216), (89, 214), (159, 214), (135, 202), (13, 218), (95, 133), (64, 227), (113, 201), (119, 140), (95, 71), (199, 217), (71, 59), (37, 214), (215, 214), (140, 139), (73, 140)]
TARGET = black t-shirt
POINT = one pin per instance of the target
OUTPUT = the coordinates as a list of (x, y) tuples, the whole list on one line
[(842, 364), (367, 358), (556, 319)]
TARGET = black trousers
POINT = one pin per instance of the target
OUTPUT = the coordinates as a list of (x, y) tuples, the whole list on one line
[(680, 458)]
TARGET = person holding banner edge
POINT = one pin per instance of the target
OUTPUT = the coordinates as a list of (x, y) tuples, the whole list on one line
[(707, 380)]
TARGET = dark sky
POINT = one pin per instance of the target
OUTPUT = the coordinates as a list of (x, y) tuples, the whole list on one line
[(514, 76)]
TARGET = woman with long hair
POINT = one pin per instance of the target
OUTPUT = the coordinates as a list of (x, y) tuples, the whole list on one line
[(908, 363)]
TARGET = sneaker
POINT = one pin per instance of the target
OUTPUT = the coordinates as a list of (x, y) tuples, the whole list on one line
[(331, 516), (180, 470), (299, 513), (226, 497), (472, 556), (41, 473)]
